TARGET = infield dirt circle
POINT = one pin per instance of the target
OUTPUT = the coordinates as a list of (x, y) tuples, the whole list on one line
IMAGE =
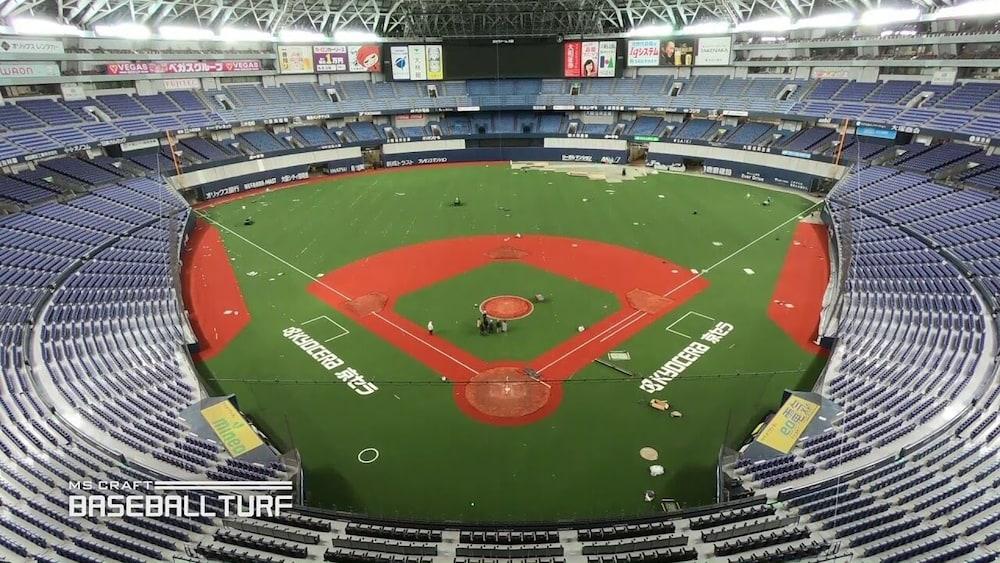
[(506, 307), (506, 392)]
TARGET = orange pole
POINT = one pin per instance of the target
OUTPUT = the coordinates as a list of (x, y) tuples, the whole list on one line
[(173, 153), (840, 145)]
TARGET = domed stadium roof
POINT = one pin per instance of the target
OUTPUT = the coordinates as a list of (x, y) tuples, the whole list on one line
[(438, 18)]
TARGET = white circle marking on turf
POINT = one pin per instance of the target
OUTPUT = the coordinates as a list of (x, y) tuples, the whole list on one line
[(363, 459)]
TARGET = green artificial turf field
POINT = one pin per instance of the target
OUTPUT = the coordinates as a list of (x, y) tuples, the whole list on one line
[(435, 462), (454, 306)]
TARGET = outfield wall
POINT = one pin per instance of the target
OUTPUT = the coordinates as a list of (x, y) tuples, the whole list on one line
[(791, 169), (237, 177), (608, 151)]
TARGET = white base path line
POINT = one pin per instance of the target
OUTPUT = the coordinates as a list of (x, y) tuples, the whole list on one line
[(586, 343), (670, 327), (683, 284), (324, 284), (344, 332)]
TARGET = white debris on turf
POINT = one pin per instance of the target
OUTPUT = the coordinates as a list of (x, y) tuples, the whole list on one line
[(716, 243), (656, 470), (580, 328), (694, 270), (251, 274), (661, 196), (584, 199), (748, 271)]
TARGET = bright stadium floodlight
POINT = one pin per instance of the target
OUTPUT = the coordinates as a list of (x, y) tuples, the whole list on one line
[(349, 36), (36, 26), (651, 31), (184, 33), (975, 9), (235, 34), (300, 36), (885, 16), (123, 31), (707, 28), (770, 25), (826, 21)]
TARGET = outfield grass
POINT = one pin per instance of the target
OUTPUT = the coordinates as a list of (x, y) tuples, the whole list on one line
[(435, 462)]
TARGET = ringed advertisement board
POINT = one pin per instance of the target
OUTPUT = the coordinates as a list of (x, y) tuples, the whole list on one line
[(705, 51), (417, 62), (181, 67), (295, 59), (590, 59), (330, 58), (28, 70)]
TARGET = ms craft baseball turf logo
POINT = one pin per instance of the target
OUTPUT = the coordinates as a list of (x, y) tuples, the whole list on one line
[(178, 499)]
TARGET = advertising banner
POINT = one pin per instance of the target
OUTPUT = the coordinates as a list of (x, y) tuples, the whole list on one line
[(295, 59), (643, 52), (231, 428), (400, 57), (364, 58), (606, 59), (589, 53), (330, 58), (435, 62), (418, 62), (23, 46), (181, 84), (676, 53), (713, 51), (571, 59), (180, 67), (28, 70)]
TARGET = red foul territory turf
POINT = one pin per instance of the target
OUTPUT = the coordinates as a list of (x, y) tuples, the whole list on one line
[(613, 268), (798, 295), (213, 296)]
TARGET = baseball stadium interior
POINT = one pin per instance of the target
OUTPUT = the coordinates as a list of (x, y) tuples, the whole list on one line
[(500, 280)]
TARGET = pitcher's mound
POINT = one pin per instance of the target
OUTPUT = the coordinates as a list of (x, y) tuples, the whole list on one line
[(506, 307), (506, 392), (368, 304), (647, 302), (506, 253)]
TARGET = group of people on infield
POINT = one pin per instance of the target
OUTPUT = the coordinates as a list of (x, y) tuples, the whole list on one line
[(489, 325)]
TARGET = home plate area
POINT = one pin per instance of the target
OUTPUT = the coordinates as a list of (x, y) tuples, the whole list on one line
[(507, 392)]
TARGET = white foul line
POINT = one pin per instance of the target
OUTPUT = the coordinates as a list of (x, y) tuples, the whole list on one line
[(701, 273), (324, 284)]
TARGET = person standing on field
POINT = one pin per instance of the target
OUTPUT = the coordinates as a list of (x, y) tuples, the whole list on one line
[(430, 328)]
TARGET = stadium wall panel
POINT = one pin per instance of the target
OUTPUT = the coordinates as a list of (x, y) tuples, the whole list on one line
[(507, 153), (665, 153), (230, 174)]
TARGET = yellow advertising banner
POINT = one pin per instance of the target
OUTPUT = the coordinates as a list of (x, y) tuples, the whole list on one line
[(231, 428), (784, 430)]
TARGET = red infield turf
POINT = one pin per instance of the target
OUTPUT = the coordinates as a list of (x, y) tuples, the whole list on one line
[(503, 394), (798, 295), (215, 302), (633, 276)]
